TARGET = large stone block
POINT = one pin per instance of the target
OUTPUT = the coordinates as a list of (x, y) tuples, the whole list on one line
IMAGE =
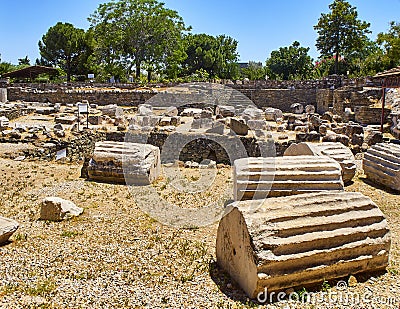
[(202, 123), (257, 178), (7, 228), (301, 240), (272, 114), (381, 164), (112, 110), (225, 110), (334, 150), (123, 162), (252, 113), (238, 127)]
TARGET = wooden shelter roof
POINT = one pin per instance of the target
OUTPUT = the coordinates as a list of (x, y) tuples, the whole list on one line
[(388, 73), (30, 72)]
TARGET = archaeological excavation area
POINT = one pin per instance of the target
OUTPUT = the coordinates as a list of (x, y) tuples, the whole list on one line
[(202, 195)]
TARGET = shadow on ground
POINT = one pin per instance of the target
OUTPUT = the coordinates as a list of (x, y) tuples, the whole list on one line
[(233, 291), (377, 186)]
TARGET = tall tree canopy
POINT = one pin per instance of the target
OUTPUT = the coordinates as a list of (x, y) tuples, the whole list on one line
[(340, 32), (24, 61), (135, 33), (64, 46), (5, 67), (216, 55), (391, 44), (291, 62), (254, 71)]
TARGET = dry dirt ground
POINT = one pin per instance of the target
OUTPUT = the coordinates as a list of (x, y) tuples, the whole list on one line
[(116, 256)]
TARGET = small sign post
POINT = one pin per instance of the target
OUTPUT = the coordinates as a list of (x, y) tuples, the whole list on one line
[(61, 154), (83, 108)]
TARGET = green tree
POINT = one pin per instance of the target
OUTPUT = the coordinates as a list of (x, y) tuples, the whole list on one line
[(64, 46), (24, 61), (340, 32), (216, 55), (254, 71), (132, 33), (390, 42), (292, 62), (6, 67)]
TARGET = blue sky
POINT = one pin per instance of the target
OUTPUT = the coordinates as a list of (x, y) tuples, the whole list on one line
[(259, 26)]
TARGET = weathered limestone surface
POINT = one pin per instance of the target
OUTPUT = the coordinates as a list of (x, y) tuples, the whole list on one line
[(334, 150), (3, 95), (123, 162), (301, 240), (225, 110), (257, 178), (7, 228), (57, 209), (381, 164)]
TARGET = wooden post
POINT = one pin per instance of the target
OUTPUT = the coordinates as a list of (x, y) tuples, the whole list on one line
[(383, 104)]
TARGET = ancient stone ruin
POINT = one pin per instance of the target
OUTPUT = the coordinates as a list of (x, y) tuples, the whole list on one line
[(57, 209), (258, 178), (381, 164), (301, 240), (124, 162), (7, 228), (336, 151)]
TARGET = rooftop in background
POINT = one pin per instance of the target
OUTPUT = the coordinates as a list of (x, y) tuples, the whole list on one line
[(30, 72)]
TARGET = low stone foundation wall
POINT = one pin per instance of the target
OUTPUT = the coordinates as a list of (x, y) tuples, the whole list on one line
[(193, 147), (371, 115)]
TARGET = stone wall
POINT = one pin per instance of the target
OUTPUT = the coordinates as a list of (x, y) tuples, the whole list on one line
[(324, 100), (326, 82), (77, 148), (370, 115), (312, 92), (280, 98), (193, 147), (100, 97)]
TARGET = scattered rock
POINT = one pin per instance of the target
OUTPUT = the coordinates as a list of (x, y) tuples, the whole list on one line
[(58, 209), (225, 111), (297, 108), (171, 111), (373, 137), (7, 228), (272, 114), (310, 109), (239, 127), (352, 282)]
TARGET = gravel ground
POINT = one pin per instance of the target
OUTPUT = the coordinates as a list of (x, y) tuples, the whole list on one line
[(116, 256)]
